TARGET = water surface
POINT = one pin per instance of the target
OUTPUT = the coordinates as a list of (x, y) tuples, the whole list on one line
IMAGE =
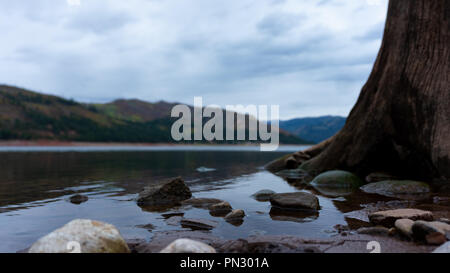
[(37, 182)]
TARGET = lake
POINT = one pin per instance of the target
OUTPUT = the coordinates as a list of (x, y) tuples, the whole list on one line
[(37, 182)]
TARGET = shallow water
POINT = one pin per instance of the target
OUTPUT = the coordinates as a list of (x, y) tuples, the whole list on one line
[(35, 186)]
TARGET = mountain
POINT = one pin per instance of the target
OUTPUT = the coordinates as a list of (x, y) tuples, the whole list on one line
[(136, 110), (29, 115), (314, 129)]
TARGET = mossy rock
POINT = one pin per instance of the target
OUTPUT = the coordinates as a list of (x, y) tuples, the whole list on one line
[(397, 188), (337, 179)]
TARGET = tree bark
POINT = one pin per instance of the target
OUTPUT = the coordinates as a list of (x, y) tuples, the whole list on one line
[(401, 121)]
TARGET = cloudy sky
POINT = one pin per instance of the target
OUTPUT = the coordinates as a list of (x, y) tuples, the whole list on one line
[(309, 57)]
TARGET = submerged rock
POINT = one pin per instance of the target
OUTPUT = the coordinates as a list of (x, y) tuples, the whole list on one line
[(220, 209), (198, 224), (294, 174), (148, 227), (188, 246), (91, 236), (174, 220), (293, 215), (337, 179), (168, 192), (204, 203), (387, 218), (78, 199), (295, 200), (398, 188), (333, 192), (263, 195)]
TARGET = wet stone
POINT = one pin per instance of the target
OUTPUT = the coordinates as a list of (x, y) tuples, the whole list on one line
[(78, 199), (198, 224), (387, 218)]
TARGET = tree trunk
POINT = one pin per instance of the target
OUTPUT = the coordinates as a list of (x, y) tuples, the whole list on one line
[(401, 121)]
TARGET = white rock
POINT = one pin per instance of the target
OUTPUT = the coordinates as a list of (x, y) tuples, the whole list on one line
[(405, 226), (445, 248), (387, 218), (188, 246), (82, 236)]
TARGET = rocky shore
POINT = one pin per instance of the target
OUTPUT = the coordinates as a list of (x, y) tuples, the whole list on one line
[(403, 224)]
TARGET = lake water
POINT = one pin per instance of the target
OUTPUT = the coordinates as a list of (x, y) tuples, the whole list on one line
[(37, 182)]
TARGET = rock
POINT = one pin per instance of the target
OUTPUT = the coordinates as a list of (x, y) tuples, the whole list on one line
[(438, 226), (392, 231), (236, 217), (377, 177), (220, 209), (387, 218), (204, 203), (337, 179), (333, 192), (198, 224), (341, 228), (78, 199), (92, 237), (295, 200), (291, 163), (431, 232), (445, 248), (398, 188), (293, 215), (263, 195), (404, 226), (435, 238), (148, 227), (376, 231), (236, 214), (174, 220), (188, 246), (172, 214), (169, 192)]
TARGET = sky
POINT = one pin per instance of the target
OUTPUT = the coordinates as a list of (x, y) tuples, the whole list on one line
[(309, 57)]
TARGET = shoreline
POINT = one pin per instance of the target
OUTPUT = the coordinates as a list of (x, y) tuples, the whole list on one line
[(55, 143), (341, 243)]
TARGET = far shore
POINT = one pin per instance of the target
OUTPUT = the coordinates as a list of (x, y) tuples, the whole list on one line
[(55, 143)]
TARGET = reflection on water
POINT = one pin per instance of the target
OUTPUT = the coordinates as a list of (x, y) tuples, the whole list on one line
[(35, 188)]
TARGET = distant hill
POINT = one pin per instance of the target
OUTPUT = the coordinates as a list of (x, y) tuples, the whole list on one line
[(314, 129), (28, 115), (136, 110)]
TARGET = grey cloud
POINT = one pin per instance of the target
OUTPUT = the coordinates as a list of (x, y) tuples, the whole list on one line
[(99, 22), (163, 50), (279, 23)]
